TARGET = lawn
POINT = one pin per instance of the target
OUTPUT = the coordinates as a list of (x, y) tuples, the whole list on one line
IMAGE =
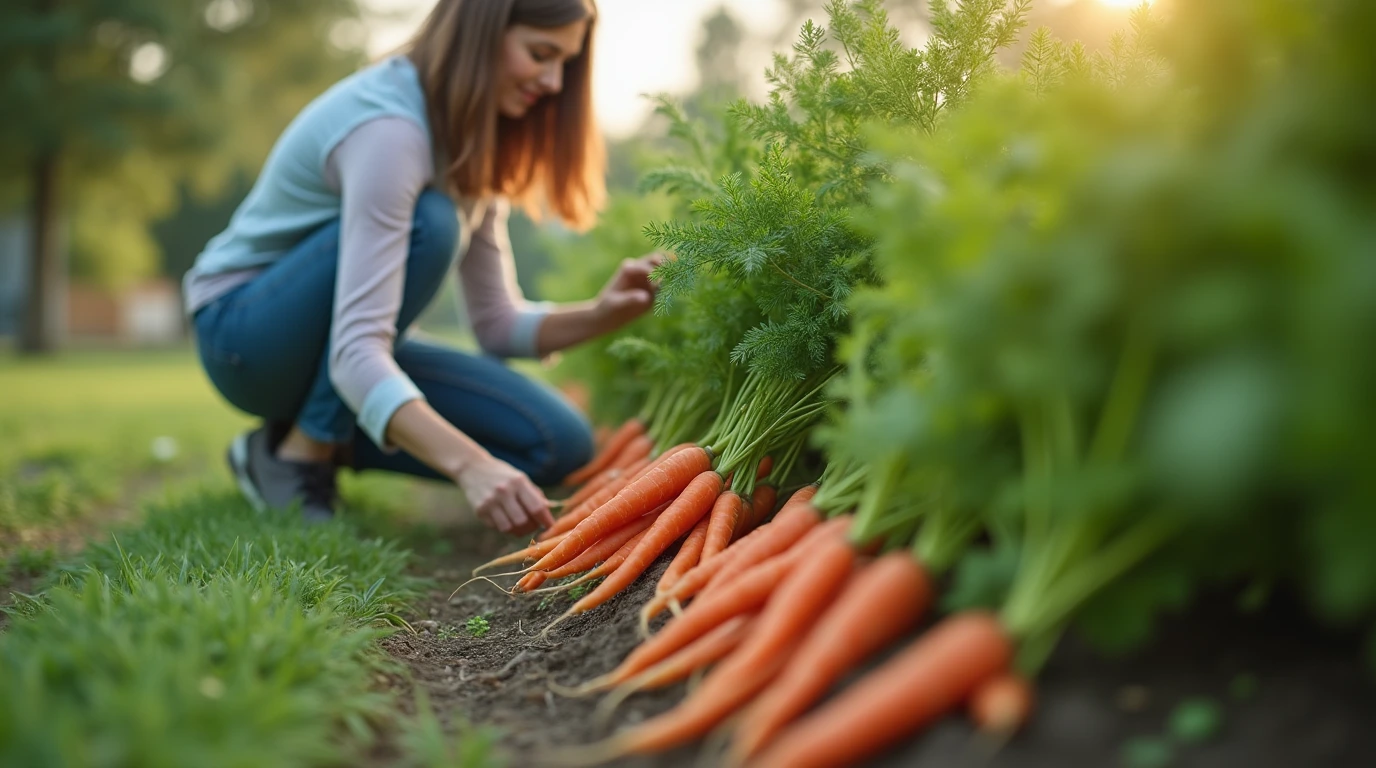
[(153, 619), (88, 432)]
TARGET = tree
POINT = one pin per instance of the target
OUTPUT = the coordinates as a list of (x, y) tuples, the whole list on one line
[(718, 58), (138, 96)]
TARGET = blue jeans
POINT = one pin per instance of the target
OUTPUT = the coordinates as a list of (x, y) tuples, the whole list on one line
[(265, 347)]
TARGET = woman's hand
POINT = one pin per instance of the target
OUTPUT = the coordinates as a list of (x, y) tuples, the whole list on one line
[(630, 293), (504, 498)]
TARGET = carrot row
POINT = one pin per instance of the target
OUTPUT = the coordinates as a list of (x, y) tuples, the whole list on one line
[(823, 610)]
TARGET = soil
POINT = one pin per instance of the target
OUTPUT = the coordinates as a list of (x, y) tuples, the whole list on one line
[(1290, 696)]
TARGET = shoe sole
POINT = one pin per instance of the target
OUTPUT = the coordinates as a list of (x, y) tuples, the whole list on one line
[(238, 465)]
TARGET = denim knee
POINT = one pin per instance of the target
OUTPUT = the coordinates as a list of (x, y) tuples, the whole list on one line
[(434, 235), (570, 444)]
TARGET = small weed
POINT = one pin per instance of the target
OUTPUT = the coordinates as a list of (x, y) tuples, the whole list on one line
[(448, 633), (477, 626), (582, 589)]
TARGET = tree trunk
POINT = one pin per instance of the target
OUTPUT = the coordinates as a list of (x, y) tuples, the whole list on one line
[(42, 327)]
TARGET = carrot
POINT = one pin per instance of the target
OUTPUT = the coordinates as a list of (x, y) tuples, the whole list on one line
[(937, 672), (746, 594), (766, 464), (750, 667), (608, 492), (594, 485), (570, 519), (708, 649), (722, 522), (697, 655), (883, 600), (639, 448), (1002, 704), (623, 435), (533, 552), (688, 555), (655, 487), (681, 516), (590, 556), (755, 513), (792, 523)]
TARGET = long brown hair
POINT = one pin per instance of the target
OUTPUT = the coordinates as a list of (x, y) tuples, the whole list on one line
[(554, 154)]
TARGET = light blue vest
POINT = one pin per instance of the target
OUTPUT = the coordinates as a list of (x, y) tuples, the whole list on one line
[(290, 198)]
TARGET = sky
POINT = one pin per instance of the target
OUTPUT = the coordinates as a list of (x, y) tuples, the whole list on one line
[(643, 46)]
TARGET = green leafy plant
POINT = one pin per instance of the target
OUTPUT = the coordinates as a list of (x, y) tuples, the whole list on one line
[(477, 626)]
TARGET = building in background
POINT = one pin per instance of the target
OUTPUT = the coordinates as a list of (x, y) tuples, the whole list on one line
[(146, 313)]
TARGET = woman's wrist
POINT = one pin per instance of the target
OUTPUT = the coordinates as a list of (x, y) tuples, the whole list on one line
[(571, 324), (423, 433)]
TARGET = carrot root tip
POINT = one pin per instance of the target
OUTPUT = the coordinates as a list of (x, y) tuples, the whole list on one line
[(602, 715), (487, 579), (544, 633)]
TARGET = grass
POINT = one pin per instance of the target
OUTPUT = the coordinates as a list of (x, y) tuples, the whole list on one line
[(204, 633), (88, 429)]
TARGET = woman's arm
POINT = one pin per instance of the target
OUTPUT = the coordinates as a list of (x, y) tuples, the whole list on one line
[(507, 325), (500, 494), (380, 170), (628, 296)]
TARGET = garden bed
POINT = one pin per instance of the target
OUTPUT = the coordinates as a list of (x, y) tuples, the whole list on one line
[(1288, 694)]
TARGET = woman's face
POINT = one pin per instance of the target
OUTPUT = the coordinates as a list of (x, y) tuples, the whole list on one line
[(532, 64)]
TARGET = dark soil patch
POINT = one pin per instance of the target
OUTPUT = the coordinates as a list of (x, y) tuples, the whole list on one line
[(1290, 696)]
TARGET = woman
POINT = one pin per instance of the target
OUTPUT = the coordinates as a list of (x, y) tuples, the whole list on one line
[(299, 306)]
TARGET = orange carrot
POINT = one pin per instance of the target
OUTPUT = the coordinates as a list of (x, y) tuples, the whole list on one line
[(681, 516), (766, 464), (705, 650), (535, 551), (604, 568), (640, 447), (800, 596), (722, 522), (591, 556), (697, 655), (623, 435), (594, 485), (744, 595), (934, 674), (883, 600), (757, 511), (1002, 704), (570, 519), (688, 555), (792, 523), (655, 487), (605, 494)]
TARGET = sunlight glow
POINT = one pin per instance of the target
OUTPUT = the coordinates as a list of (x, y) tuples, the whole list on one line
[(1125, 3)]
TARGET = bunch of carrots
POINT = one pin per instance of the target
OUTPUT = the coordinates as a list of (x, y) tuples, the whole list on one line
[(780, 616), (632, 508), (776, 635)]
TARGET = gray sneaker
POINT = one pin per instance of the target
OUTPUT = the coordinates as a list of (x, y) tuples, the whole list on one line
[(270, 483)]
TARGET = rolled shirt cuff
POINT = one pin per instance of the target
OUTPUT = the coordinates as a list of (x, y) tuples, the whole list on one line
[(382, 402), (526, 330)]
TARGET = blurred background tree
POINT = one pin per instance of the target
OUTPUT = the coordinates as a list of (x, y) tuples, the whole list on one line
[(116, 111)]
